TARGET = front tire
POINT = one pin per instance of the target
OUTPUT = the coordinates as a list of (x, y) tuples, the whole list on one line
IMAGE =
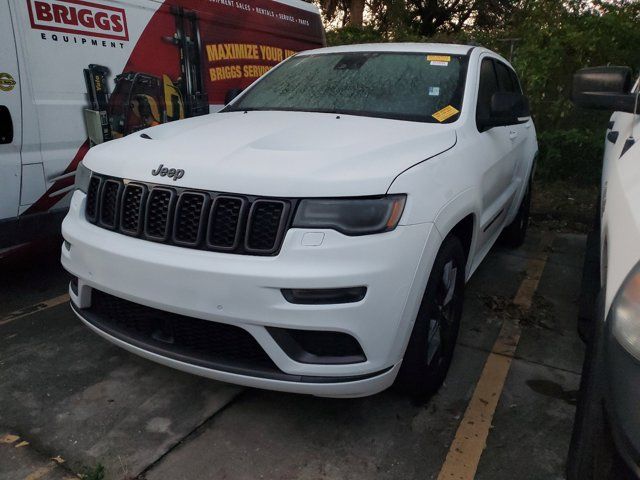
[(435, 330)]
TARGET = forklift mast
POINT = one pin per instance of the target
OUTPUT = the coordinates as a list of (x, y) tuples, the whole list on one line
[(95, 78), (187, 39)]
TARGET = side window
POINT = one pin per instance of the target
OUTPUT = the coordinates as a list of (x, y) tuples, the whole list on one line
[(488, 86), (516, 81), (504, 78)]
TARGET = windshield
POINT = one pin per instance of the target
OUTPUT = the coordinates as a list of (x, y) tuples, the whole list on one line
[(406, 86)]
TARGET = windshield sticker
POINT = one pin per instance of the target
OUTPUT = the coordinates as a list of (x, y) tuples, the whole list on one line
[(439, 58), (434, 91), (447, 112)]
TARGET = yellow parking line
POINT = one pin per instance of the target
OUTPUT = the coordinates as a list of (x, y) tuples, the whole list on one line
[(41, 472), (466, 449), (9, 438), (53, 302), (529, 285)]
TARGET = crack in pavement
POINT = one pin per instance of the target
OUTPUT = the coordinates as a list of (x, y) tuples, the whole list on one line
[(523, 359), (191, 434)]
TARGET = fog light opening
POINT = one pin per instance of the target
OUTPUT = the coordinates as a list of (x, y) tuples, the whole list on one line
[(74, 285), (324, 296)]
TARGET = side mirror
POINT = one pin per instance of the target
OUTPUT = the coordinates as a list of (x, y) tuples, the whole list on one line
[(507, 108), (232, 93), (604, 88)]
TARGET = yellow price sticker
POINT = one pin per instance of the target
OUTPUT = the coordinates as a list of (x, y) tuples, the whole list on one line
[(447, 112), (439, 58)]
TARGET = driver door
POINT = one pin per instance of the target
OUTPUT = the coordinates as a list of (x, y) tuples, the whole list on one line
[(498, 159)]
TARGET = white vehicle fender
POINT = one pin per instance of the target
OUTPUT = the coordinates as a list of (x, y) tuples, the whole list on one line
[(413, 301), (463, 205), (431, 200), (426, 188)]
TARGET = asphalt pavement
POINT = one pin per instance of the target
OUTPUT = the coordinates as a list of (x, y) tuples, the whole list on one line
[(71, 403)]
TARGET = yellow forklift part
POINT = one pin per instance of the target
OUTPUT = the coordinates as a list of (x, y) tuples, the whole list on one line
[(172, 100), (145, 107)]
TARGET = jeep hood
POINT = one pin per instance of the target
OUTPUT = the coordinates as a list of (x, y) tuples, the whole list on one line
[(288, 154)]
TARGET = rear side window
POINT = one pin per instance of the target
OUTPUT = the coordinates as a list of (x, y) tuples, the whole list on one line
[(516, 81), (488, 86), (505, 78)]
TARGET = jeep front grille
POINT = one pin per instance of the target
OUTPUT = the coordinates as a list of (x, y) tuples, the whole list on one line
[(188, 218)]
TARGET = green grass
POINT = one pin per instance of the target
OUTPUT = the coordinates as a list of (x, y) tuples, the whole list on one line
[(95, 473)]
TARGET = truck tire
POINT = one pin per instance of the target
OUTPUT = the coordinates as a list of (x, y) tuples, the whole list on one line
[(515, 233), (435, 330)]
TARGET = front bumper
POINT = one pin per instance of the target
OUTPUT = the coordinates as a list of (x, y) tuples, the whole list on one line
[(245, 291)]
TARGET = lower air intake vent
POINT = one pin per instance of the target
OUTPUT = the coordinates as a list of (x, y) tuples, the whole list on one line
[(193, 340)]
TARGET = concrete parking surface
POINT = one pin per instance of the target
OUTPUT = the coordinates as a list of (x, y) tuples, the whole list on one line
[(72, 403)]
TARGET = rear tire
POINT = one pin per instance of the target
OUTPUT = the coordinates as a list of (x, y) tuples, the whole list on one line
[(515, 233), (435, 330), (592, 453), (589, 420)]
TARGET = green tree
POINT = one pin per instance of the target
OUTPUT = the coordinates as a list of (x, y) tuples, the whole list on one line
[(547, 42)]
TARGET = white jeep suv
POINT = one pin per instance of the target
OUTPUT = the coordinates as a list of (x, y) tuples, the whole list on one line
[(316, 234)]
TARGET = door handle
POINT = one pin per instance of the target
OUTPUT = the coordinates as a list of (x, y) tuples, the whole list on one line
[(513, 134), (612, 136), (6, 125)]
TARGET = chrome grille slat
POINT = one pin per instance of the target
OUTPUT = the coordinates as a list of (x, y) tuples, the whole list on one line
[(189, 218)]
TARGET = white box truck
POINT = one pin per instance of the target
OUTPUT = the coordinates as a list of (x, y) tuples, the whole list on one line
[(74, 73)]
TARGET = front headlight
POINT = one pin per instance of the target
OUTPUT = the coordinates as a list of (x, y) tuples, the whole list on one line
[(626, 313), (351, 216), (83, 175)]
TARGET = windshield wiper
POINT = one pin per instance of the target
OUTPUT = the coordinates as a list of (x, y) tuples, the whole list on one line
[(235, 109)]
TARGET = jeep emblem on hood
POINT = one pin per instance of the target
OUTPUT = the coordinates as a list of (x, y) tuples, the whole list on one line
[(163, 171)]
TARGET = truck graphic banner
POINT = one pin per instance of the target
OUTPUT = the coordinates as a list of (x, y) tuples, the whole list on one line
[(240, 41), (129, 65)]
